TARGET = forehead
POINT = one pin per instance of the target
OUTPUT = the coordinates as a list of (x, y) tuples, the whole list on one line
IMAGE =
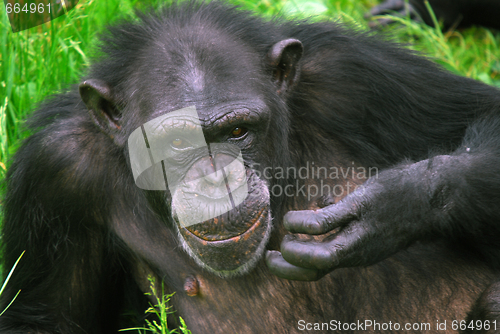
[(199, 65)]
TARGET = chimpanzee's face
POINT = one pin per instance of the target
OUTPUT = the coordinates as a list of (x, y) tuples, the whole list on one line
[(219, 207)]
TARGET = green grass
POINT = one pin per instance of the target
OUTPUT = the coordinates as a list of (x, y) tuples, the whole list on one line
[(161, 310), (49, 58)]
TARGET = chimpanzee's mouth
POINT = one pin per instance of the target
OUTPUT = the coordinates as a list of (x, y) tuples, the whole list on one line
[(223, 228), (224, 245)]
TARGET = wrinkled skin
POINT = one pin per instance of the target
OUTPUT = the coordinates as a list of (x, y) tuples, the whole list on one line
[(367, 171)]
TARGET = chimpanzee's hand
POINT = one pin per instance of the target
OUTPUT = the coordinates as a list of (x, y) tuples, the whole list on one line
[(383, 216)]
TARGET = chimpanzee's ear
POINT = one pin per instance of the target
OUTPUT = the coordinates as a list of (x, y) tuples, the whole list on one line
[(284, 57), (102, 104)]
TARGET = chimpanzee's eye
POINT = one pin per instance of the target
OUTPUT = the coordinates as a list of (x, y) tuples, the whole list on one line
[(238, 132), (180, 144)]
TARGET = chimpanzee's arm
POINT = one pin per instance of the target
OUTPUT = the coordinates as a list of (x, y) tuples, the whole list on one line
[(455, 196)]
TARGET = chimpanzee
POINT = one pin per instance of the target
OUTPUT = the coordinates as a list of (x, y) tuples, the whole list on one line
[(452, 13), (204, 140)]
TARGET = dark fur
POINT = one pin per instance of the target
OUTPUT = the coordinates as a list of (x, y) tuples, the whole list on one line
[(87, 229)]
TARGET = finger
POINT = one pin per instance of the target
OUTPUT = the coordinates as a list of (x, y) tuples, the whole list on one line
[(309, 254), (279, 267), (347, 248), (322, 220)]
